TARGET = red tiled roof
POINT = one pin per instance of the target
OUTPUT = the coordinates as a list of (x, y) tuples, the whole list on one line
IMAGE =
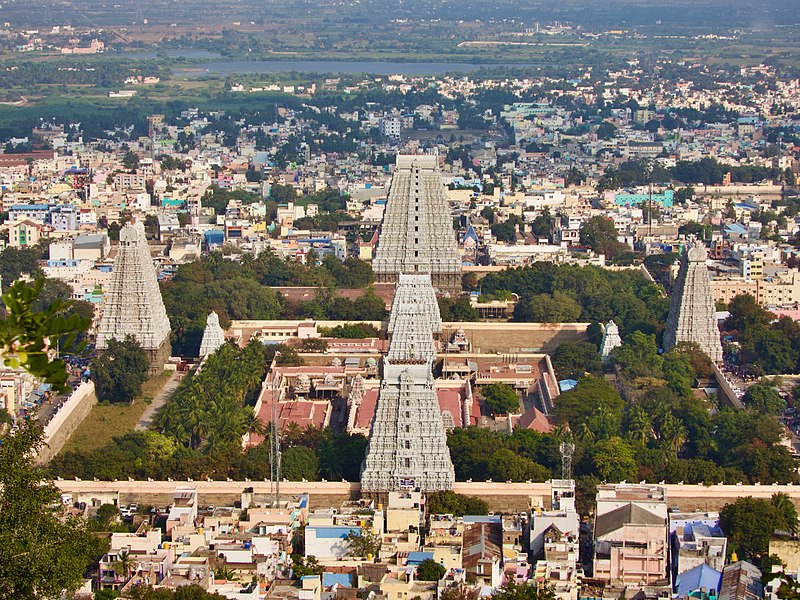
[(536, 420)]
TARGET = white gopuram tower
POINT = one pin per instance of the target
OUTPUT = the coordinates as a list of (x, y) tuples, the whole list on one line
[(133, 304), (407, 443), (611, 340), (417, 230), (213, 336), (692, 313)]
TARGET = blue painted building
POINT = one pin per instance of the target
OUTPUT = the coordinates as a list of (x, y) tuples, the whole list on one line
[(665, 199)]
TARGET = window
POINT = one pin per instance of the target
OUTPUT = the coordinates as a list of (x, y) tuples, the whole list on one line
[(407, 462), (408, 445)]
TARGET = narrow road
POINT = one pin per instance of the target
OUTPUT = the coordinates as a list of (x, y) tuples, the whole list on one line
[(147, 416)]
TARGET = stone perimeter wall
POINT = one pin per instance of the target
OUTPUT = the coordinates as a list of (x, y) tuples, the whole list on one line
[(501, 497), (66, 420)]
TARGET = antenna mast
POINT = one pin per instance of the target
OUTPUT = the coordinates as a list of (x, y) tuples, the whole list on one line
[(567, 450)]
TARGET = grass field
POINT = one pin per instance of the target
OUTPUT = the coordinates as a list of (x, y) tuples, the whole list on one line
[(107, 421)]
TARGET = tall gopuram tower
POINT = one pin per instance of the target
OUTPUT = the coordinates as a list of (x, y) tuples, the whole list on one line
[(692, 313), (407, 443), (133, 304), (417, 231)]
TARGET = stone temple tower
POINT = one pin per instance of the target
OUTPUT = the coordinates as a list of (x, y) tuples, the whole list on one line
[(407, 443), (692, 313), (611, 340), (213, 336), (133, 304), (417, 231)]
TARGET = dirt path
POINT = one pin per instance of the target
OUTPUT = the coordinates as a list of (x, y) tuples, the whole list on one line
[(145, 421)]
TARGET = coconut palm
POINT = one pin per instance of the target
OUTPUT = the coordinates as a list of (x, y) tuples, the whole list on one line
[(125, 564), (640, 429), (787, 509), (586, 433), (673, 433)]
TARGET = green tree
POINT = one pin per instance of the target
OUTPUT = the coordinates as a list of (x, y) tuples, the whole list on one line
[(430, 570), (26, 334), (363, 543), (749, 524), (120, 370), (42, 553), (130, 161), (457, 309), (309, 566), (764, 398), (501, 398), (573, 360), (15, 262), (298, 463), (677, 368), (613, 460), (282, 193), (546, 308), (600, 235), (505, 465), (451, 503), (746, 313), (606, 130), (577, 406), (638, 356), (524, 591)]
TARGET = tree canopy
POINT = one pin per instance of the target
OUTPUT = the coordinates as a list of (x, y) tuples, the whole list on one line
[(120, 370), (501, 398), (42, 553)]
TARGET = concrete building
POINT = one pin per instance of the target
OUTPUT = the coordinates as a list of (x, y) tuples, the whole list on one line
[(630, 535), (741, 581), (24, 233), (696, 539), (562, 515)]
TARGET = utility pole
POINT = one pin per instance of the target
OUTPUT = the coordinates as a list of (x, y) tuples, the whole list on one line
[(274, 446)]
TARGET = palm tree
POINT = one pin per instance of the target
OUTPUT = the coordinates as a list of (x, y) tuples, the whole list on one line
[(223, 572), (254, 425), (639, 427), (124, 564), (787, 509), (673, 433), (585, 433)]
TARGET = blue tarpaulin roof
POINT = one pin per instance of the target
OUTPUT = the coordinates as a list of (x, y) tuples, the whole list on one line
[(329, 532), (702, 576), (566, 384), (342, 579), (416, 558)]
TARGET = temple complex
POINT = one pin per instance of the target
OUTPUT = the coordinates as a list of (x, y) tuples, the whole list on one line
[(417, 231), (407, 445), (133, 304), (692, 313), (213, 336)]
